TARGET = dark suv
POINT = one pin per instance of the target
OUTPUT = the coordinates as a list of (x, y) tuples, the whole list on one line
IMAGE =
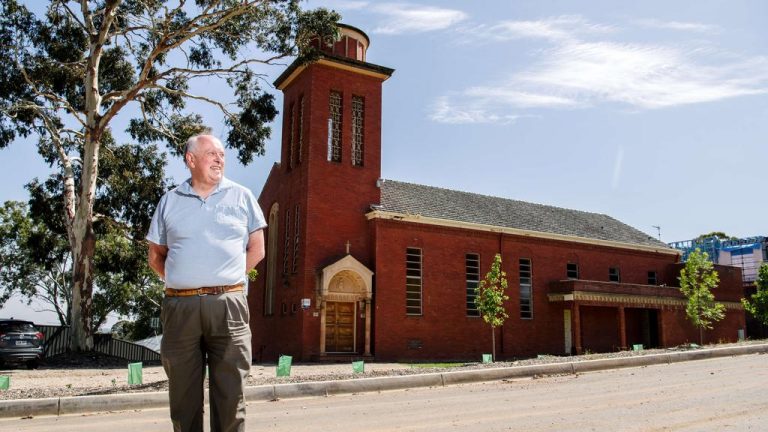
[(20, 342)]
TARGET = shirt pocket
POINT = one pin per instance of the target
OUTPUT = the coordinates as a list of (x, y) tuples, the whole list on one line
[(234, 217)]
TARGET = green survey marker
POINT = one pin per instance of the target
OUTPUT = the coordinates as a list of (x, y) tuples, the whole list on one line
[(135, 374), (5, 382), (358, 366), (284, 366)]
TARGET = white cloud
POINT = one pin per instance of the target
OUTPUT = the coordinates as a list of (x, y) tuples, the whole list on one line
[(578, 74), (518, 99), (555, 28), (643, 76), (409, 18), (445, 110), (677, 25), (341, 4)]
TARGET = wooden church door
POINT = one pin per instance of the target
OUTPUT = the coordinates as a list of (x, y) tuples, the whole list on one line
[(339, 327)]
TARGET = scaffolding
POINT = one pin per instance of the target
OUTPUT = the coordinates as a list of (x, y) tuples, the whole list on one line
[(749, 253)]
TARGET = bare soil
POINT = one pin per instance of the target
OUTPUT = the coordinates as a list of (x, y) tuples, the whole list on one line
[(95, 373)]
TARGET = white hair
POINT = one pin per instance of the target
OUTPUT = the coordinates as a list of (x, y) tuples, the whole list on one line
[(193, 141)]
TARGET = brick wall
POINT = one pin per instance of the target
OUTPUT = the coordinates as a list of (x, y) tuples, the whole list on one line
[(333, 198), (444, 298)]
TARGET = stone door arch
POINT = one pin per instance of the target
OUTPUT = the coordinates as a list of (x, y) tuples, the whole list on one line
[(345, 291)]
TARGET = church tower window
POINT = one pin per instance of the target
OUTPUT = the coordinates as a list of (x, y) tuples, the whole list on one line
[(292, 136), (294, 264), (301, 129), (358, 113), (287, 244), (334, 127)]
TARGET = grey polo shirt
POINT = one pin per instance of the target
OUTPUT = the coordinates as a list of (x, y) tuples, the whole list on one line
[(206, 238)]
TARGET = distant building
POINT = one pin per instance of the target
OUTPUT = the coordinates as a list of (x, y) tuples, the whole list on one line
[(361, 267), (747, 253)]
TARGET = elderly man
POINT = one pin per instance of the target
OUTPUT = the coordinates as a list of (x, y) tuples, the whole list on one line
[(205, 235)]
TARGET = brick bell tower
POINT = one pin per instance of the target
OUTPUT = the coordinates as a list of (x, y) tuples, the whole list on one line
[(313, 296)]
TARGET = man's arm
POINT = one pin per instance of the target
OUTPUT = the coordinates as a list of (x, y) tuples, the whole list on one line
[(254, 252), (157, 255)]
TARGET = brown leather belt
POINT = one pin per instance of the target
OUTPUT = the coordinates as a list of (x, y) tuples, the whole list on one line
[(213, 290)]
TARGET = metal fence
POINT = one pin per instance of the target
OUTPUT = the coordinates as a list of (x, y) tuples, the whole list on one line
[(57, 342)]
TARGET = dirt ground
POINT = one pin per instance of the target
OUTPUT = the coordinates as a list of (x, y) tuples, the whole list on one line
[(98, 374), (721, 394), (56, 382)]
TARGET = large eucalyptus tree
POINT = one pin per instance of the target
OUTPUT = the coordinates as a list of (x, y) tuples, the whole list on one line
[(69, 72)]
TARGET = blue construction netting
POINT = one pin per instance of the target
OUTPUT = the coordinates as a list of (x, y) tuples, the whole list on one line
[(713, 245), (740, 252)]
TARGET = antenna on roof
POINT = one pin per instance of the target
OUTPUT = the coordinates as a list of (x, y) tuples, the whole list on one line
[(658, 229)]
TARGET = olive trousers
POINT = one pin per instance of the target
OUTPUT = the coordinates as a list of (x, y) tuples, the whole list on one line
[(212, 330)]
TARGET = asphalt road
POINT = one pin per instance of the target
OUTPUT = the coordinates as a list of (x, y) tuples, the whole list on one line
[(724, 394)]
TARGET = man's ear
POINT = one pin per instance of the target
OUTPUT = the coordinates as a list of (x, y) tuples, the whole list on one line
[(190, 158)]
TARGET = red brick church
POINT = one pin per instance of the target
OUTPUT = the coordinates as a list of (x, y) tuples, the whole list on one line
[(362, 267)]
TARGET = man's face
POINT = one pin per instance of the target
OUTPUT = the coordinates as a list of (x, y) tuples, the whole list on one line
[(207, 161)]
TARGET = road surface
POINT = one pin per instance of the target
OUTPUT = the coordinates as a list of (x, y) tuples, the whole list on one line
[(725, 394)]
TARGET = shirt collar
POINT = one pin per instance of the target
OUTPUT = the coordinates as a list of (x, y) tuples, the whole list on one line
[(186, 187)]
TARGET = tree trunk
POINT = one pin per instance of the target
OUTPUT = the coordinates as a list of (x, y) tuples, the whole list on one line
[(493, 344), (82, 237), (82, 290), (83, 243)]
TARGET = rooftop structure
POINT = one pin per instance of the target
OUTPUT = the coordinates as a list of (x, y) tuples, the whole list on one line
[(749, 253)]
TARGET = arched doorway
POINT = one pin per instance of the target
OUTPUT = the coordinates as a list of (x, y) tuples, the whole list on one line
[(345, 295)]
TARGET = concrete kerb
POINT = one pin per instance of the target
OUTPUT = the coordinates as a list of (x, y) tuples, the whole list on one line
[(128, 401), (113, 402), (29, 407)]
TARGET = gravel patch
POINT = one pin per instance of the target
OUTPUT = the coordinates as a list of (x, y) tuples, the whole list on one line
[(94, 374)]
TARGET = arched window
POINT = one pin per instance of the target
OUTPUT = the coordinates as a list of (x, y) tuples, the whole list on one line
[(272, 237)]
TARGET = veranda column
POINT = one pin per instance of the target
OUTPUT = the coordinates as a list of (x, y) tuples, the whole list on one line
[(622, 329), (577, 328)]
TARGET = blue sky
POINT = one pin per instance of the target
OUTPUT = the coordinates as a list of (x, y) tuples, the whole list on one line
[(653, 112)]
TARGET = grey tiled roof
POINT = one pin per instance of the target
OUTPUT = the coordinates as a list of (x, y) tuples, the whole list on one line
[(427, 201)]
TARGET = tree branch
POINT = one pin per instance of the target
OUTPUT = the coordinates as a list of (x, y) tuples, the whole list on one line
[(54, 99), (87, 17), (196, 97), (72, 14), (179, 37)]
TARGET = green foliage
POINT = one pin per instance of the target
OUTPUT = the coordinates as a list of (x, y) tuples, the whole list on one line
[(490, 296), (757, 305), (70, 72), (149, 53), (34, 260), (714, 235), (697, 280)]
